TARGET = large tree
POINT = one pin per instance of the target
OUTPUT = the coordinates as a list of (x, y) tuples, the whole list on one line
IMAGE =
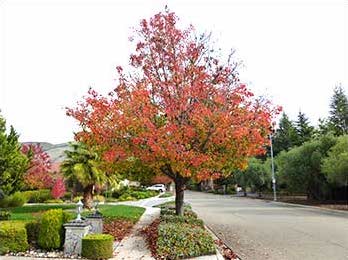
[(304, 129), (338, 118), (285, 136), (13, 163), (180, 109)]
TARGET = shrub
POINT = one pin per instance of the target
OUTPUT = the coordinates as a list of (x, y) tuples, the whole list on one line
[(171, 211), (15, 200), (183, 241), (77, 198), (5, 215), (126, 197), (97, 246), (67, 196), (51, 229), (4, 202), (33, 228), (13, 238), (182, 219), (38, 196), (100, 198)]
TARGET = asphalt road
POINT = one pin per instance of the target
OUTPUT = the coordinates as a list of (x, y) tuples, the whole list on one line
[(257, 229)]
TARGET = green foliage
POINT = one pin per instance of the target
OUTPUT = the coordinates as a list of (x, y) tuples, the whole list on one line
[(13, 164), (33, 228), (257, 176), (38, 196), (13, 237), (51, 229), (335, 166), (15, 200), (300, 170), (285, 136), (304, 129), (84, 166), (97, 246), (5, 215), (176, 241), (339, 112), (182, 219)]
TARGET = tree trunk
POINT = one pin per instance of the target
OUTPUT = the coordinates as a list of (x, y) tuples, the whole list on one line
[(88, 197), (179, 196)]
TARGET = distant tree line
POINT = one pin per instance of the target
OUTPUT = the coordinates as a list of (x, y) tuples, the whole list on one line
[(308, 159)]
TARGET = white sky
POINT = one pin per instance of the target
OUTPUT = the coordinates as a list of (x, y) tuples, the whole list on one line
[(52, 51)]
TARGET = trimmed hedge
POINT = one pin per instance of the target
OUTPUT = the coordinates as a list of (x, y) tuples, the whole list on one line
[(15, 200), (97, 246), (180, 219), (13, 238), (176, 241), (51, 229), (37, 196)]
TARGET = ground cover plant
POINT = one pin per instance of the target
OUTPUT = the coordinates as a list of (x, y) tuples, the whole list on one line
[(176, 237)]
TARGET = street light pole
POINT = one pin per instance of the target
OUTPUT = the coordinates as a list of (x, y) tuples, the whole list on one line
[(273, 176)]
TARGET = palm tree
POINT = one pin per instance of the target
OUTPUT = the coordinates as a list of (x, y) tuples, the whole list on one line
[(83, 166)]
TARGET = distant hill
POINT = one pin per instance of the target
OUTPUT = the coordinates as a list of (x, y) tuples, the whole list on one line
[(55, 151)]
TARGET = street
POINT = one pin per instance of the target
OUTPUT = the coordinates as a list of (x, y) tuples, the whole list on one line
[(257, 229)]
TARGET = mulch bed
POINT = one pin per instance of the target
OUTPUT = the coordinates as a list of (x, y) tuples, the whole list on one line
[(151, 236), (117, 228)]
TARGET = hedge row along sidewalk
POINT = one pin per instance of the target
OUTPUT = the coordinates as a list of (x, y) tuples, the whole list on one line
[(175, 237)]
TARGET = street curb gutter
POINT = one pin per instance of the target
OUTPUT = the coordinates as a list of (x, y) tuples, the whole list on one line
[(218, 254)]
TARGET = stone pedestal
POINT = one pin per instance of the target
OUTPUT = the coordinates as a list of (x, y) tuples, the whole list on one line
[(74, 232), (96, 221)]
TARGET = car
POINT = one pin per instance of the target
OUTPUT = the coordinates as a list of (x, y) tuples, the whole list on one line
[(157, 187)]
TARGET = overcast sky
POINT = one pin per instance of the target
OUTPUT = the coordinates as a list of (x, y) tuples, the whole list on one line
[(294, 52)]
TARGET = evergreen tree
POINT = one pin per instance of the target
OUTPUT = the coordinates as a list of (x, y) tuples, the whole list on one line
[(285, 136), (13, 163), (339, 112), (304, 129)]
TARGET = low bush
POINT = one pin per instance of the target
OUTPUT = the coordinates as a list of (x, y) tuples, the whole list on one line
[(15, 200), (100, 198), (77, 198), (33, 228), (5, 215), (97, 246), (171, 211), (67, 196), (51, 229), (38, 196), (13, 237), (176, 241), (182, 219), (126, 197)]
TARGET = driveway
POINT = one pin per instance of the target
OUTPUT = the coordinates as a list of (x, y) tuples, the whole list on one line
[(257, 229)]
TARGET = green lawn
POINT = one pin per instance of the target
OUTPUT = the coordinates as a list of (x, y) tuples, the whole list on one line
[(26, 213)]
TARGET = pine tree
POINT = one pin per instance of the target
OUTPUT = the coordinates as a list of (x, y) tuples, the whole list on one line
[(303, 128), (285, 136), (339, 112), (13, 163)]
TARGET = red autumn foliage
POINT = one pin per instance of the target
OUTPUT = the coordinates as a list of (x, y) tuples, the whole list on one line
[(161, 179), (182, 111), (58, 189), (38, 175)]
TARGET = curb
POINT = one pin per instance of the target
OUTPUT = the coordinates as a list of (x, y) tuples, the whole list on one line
[(215, 237)]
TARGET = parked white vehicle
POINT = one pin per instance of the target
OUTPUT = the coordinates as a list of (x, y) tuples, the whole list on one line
[(157, 187)]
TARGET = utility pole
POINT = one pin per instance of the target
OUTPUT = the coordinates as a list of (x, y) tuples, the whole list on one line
[(272, 162)]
